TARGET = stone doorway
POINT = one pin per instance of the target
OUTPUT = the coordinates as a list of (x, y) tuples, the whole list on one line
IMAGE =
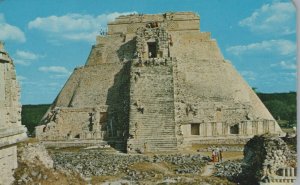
[(152, 50), (234, 129), (195, 129)]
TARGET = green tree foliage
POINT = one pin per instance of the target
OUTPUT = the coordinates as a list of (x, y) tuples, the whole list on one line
[(32, 115), (282, 106)]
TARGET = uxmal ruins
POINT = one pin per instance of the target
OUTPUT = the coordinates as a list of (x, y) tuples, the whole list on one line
[(155, 83), (11, 130)]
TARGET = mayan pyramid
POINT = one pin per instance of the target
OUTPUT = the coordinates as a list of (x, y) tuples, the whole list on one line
[(156, 83)]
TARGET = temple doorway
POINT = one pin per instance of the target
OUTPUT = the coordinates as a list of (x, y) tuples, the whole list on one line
[(195, 129), (234, 129), (152, 49)]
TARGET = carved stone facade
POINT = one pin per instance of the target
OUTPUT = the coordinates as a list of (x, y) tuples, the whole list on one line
[(11, 130), (159, 84)]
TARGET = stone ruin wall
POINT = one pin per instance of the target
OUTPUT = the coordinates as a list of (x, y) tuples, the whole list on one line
[(268, 161), (11, 130), (101, 84), (83, 99), (218, 105), (217, 101), (180, 21)]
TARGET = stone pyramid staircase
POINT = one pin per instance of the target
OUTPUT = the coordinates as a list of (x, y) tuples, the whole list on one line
[(151, 123)]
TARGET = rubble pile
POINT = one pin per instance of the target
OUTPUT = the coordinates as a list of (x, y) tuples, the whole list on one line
[(229, 169), (95, 163), (35, 166)]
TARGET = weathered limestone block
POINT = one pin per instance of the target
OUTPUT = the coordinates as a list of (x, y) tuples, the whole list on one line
[(37, 151), (11, 130)]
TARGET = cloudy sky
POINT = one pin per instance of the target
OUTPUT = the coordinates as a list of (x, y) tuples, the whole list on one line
[(48, 39)]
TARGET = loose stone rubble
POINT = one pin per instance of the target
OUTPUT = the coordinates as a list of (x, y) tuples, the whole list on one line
[(95, 163), (36, 167), (229, 169), (11, 130), (155, 83), (118, 168)]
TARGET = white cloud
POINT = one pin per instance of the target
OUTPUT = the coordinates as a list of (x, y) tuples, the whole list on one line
[(81, 36), (25, 58), (54, 69), (276, 18), (27, 55), (74, 26), (22, 62), (281, 47), (10, 32), (285, 65)]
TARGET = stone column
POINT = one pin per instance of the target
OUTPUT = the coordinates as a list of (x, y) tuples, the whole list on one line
[(287, 172), (204, 129), (209, 129), (219, 129), (249, 130), (260, 127), (292, 172)]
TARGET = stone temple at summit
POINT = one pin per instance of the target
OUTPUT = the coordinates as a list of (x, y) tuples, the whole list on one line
[(156, 83)]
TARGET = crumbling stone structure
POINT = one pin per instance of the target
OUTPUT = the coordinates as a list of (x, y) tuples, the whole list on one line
[(11, 130), (156, 83), (268, 161)]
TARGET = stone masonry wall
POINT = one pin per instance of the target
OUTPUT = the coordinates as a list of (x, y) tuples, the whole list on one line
[(11, 130), (101, 84)]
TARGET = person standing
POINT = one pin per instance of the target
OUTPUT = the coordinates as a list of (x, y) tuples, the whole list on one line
[(213, 156), (220, 155), (217, 154)]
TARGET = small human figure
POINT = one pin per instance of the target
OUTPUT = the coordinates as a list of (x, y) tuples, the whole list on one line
[(213, 156), (150, 54), (220, 155), (217, 154)]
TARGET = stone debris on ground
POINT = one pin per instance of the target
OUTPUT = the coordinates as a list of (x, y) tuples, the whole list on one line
[(35, 166), (94, 163), (229, 169)]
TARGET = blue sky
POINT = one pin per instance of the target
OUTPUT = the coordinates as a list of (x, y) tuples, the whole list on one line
[(48, 39)]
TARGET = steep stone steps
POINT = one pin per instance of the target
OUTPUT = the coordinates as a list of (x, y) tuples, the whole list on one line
[(155, 125)]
